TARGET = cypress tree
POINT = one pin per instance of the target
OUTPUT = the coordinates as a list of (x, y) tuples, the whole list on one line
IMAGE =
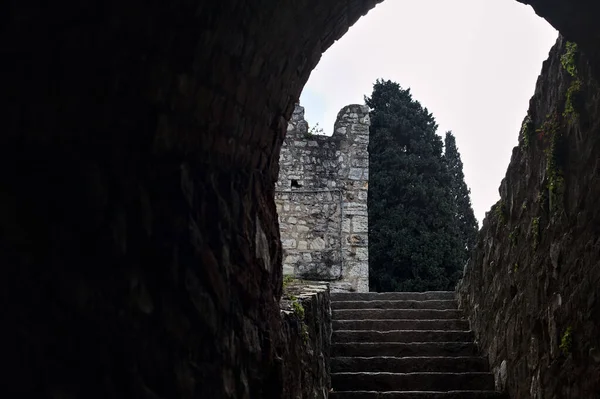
[(465, 217), (414, 242)]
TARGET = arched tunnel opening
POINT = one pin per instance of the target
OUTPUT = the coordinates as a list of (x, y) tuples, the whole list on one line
[(459, 60), (140, 246)]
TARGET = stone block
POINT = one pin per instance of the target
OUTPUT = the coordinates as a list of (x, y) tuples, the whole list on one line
[(362, 254), (288, 269), (359, 162), (302, 228), (346, 225), (355, 208), (355, 173), (360, 224), (291, 259), (362, 284), (317, 244), (288, 243)]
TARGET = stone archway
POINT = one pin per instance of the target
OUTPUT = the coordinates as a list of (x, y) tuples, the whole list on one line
[(139, 151)]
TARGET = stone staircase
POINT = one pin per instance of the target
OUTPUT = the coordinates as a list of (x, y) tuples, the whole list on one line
[(405, 346)]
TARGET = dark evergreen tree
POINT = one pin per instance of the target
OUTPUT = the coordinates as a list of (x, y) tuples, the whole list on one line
[(465, 218), (414, 242)]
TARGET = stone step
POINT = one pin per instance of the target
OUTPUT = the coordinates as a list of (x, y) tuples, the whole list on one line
[(401, 324), (405, 345), (397, 349), (362, 314), (417, 395), (412, 381), (396, 304), (341, 336), (409, 364), (403, 296)]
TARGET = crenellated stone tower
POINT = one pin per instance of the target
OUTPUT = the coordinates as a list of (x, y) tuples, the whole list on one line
[(321, 200)]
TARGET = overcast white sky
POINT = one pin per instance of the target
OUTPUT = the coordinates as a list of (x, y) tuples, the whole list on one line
[(472, 63)]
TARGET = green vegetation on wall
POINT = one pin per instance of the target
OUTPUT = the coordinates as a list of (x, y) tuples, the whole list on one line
[(297, 307), (573, 92), (287, 280), (527, 129), (314, 131), (569, 63), (566, 342), (500, 212), (568, 59), (552, 140), (299, 312)]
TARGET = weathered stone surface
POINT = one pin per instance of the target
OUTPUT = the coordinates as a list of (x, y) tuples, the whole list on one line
[(411, 382), (395, 296), (404, 361), (410, 364), (305, 364), (418, 395), (139, 147), (401, 324), (531, 287), (375, 314), (395, 304), (321, 200), (409, 336)]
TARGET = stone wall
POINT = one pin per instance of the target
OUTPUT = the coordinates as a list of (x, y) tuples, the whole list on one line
[(139, 244), (531, 287), (305, 365), (321, 199)]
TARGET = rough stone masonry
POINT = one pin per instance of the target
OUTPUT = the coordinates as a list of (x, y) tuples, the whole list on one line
[(321, 199), (139, 146)]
